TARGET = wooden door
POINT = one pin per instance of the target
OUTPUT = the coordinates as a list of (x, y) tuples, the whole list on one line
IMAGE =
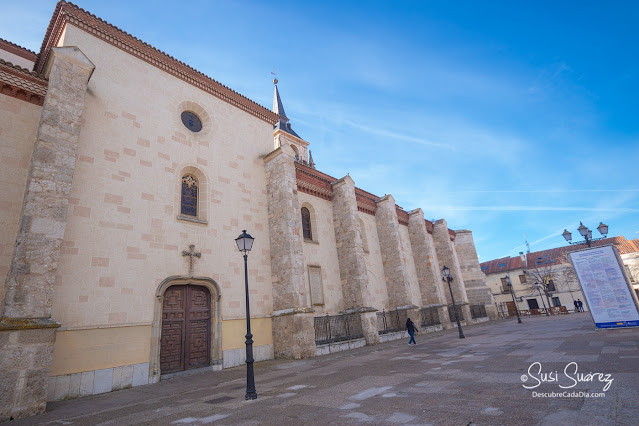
[(186, 321), (511, 309)]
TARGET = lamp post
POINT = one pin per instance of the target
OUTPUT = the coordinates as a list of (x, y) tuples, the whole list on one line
[(244, 244), (586, 233), (448, 278), (538, 287), (512, 293)]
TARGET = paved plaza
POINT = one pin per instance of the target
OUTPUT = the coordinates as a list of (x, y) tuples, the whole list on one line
[(443, 380)]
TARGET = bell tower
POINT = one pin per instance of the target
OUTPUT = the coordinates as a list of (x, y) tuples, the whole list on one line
[(283, 133)]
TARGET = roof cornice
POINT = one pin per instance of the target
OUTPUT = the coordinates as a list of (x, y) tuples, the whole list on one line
[(22, 84), (23, 52), (68, 13)]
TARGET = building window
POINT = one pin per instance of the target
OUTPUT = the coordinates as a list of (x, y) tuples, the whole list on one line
[(306, 224), (522, 279), (550, 284), (315, 282), (556, 301), (629, 274), (188, 204), (191, 121), (483, 268), (504, 286), (501, 265)]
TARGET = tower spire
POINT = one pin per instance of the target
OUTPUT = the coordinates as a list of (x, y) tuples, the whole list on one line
[(278, 108)]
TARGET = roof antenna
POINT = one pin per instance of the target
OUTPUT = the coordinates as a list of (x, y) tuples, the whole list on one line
[(526, 242)]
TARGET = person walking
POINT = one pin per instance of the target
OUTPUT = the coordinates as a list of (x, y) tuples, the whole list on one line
[(410, 327), (576, 305), (581, 305)]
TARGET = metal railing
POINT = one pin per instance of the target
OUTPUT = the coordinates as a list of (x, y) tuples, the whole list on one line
[(337, 328), (451, 313), (388, 322), (478, 311), (430, 317)]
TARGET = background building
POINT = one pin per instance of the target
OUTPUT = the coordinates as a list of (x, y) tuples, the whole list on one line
[(552, 269)]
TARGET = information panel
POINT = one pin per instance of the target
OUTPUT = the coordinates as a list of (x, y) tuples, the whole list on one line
[(605, 288)]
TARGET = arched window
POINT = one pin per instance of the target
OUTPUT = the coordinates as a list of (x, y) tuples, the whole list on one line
[(188, 203), (306, 224)]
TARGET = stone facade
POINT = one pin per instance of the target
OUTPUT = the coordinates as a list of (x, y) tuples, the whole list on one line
[(447, 256), (26, 318), (350, 252), (94, 154), (427, 265), (293, 335), (475, 282)]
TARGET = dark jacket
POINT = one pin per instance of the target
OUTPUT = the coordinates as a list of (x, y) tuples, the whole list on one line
[(410, 326)]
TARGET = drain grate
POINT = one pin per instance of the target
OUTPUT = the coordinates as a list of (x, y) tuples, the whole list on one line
[(220, 399)]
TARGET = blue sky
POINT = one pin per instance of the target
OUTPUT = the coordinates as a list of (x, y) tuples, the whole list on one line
[(506, 118)]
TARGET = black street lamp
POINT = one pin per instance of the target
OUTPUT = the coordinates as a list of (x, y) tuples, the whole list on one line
[(512, 293), (448, 278), (538, 287), (586, 233), (244, 244)]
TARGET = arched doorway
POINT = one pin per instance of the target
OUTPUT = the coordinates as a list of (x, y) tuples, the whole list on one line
[(186, 321), (186, 327)]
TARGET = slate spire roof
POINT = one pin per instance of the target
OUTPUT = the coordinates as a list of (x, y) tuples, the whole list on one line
[(278, 108)]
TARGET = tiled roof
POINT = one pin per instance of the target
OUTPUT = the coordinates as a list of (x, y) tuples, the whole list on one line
[(17, 50), (554, 255), (21, 83)]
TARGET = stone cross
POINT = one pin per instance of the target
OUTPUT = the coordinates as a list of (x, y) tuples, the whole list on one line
[(191, 254)]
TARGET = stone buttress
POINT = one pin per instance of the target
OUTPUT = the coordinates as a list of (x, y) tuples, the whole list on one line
[(350, 252), (474, 279), (27, 331), (427, 266), (395, 270), (447, 256), (293, 331)]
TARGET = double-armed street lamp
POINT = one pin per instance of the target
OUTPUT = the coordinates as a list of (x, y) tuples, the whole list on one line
[(586, 233), (539, 287), (448, 278), (512, 293), (244, 244)]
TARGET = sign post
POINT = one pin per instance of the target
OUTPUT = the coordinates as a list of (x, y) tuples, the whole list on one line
[(606, 288)]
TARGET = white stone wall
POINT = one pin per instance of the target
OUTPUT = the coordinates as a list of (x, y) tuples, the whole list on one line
[(19, 122), (374, 265), (322, 252), (123, 236)]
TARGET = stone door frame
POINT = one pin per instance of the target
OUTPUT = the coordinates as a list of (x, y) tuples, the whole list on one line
[(215, 326)]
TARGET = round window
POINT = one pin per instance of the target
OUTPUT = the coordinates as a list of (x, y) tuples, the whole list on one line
[(191, 121)]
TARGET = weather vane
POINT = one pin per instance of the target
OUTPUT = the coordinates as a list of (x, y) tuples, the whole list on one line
[(274, 74)]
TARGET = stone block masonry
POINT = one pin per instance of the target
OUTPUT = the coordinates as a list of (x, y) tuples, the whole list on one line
[(448, 257), (475, 281), (427, 266), (26, 327), (293, 332), (395, 270), (350, 252)]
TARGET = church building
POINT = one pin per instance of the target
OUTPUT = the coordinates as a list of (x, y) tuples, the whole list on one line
[(125, 178)]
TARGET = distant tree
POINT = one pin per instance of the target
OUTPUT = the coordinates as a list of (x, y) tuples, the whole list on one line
[(543, 278)]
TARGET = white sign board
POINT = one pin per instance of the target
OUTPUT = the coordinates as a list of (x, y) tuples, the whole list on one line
[(605, 287)]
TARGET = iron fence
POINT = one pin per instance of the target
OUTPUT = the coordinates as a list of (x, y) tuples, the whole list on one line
[(429, 316), (388, 322), (451, 313), (337, 328), (478, 311)]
